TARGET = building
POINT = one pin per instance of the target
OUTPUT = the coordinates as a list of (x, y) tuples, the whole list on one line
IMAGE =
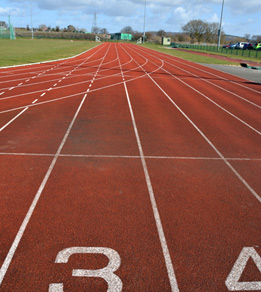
[(121, 36), (166, 41)]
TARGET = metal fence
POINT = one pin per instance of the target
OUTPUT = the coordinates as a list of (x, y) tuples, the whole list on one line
[(211, 48)]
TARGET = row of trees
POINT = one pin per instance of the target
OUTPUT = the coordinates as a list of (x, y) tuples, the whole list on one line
[(194, 31), (202, 31)]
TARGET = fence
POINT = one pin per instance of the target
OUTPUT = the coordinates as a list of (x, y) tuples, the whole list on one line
[(212, 48)]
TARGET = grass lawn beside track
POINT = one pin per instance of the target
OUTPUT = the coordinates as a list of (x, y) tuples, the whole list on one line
[(198, 58), (28, 51)]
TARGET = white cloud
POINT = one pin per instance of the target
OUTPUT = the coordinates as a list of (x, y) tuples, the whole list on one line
[(5, 11)]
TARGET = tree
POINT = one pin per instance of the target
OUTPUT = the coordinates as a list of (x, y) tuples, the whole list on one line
[(71, 28), (42, 27), (161, 33), (196, 29), (127, 29), (211, 33), (95, 29), (103, 31), (247, 37), (57, 28)]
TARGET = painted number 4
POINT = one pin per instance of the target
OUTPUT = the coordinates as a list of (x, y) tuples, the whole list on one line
[(107, 273), (232, 282)]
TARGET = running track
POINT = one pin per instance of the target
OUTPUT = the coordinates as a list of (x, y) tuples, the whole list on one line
[(125, 169)]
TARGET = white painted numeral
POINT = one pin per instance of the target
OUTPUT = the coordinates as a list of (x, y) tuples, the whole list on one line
[(107, 273), (232, 281)]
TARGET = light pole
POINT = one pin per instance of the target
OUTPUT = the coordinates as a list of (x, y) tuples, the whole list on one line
[(220, 25), (144, 21), (32, 20)]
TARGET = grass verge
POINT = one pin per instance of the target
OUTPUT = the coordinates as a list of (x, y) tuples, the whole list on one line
[(192, 57), (28, 51)]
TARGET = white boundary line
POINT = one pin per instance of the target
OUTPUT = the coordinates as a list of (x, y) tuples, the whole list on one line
[(128, 156), (190, 64), (252, 191), (46, 62), (163, 241), (208, 98), (29, 214)]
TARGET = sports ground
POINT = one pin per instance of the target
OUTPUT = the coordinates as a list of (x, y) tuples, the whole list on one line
[(125, 169)]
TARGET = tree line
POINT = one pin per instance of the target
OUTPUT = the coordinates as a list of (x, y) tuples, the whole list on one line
[(194, 31)]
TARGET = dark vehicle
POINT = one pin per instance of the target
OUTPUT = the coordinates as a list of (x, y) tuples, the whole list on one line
[(226, 46), (248, 46), (232, 46)]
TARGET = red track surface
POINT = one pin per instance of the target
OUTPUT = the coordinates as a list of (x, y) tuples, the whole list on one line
[(144, 168)]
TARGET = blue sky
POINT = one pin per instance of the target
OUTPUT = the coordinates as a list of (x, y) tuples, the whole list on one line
[(240, 16)]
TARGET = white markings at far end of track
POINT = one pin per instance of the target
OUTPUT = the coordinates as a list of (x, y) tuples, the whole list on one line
[(2, 93)]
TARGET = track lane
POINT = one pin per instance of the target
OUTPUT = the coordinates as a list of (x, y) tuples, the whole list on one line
[(201, 202), (202, 237)]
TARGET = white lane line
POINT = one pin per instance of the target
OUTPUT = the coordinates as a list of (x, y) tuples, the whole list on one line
[(208, 98), (35, 101), (11, 88), (55, 85), (29, 214), (178, 60), (20, 233), (43, 94), (20, 84), (2, 93), (50, 88), (129, 156), (251, 190), (27, 80), (163, 241), (7, 124)]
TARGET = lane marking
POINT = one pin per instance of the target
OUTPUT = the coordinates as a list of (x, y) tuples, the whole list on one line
[(232, 281), (43, 94), (2, 93), (29, 214), (50, 88), (202, 70), (55, 84), (11, 88), (252, 191), (35, 101), (163, 241), (7, 124), (131, 156), (206, 97), (20, 84), (107, 273), (170, 269)]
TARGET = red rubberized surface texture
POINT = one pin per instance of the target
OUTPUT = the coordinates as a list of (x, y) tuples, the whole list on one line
[(143, 168)]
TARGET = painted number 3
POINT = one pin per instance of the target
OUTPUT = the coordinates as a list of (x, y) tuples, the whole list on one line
[(107, 273)]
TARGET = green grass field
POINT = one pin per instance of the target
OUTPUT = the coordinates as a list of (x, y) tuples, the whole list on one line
[(197, 58), (28, 51)]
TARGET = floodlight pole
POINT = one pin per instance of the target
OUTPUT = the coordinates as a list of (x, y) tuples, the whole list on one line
[(144, 21), (32, 20), (220, 25)]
